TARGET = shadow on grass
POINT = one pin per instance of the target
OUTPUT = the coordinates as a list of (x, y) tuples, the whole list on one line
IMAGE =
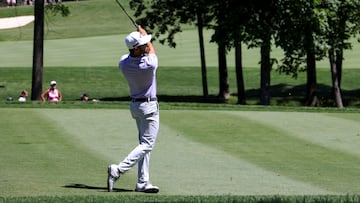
[(282, 94), (175, 98), (88, 187)]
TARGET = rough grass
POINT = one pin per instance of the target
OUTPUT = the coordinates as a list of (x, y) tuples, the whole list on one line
[(108, 84), (189, 199)]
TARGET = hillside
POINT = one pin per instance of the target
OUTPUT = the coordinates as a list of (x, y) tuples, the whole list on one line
[(87, 18)]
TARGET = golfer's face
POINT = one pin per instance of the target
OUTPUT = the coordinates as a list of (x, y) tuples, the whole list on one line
[(143, 48)]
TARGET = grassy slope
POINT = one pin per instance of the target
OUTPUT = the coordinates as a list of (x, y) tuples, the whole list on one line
[(87, 18), (106, 25), (243, 153), (106, 50)]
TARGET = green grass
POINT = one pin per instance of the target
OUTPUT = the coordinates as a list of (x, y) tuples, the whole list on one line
[(84, 59), (63, 154), (87, 18), (106, 51), (108, 85), (189, 199), (99, 27), (206, 152), (262, 139)]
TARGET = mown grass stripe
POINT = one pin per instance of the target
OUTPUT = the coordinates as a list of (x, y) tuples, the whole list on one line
[(325, 129), (179, 165), (270, 148), (198, 152), (199, 168), (38, 159)]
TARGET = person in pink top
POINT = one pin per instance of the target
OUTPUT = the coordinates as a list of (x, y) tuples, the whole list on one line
[(52, 94)]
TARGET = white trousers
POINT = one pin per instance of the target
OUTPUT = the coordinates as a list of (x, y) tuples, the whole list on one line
[(146, 115)]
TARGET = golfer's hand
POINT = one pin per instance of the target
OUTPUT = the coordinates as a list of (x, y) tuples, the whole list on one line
[(141, 30)]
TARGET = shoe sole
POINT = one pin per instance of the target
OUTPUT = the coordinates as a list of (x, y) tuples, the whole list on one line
[(150, 190), (109, 185)]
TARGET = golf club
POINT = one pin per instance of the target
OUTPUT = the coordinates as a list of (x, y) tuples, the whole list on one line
[(122, 7)]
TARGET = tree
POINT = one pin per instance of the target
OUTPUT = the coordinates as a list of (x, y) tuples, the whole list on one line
[(311, 29), (38, 47), (343, 22), (239, 74), (260, 29), (200, 26), (301, 36), (221, 36), (168, 16), (232, 18)]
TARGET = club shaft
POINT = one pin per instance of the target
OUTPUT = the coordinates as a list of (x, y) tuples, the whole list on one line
[(122, 7)]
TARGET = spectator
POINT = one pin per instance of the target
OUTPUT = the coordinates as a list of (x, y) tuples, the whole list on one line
[(28, 2), (52, 94), (11, 2), (23, 96), (85, 97)]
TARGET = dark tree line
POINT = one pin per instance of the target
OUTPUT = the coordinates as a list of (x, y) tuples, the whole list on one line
[(307, 31)]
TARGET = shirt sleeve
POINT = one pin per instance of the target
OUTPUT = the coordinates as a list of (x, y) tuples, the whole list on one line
[(149, 61)]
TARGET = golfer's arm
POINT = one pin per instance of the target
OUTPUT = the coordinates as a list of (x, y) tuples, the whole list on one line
[(149, 44), (151, 48)]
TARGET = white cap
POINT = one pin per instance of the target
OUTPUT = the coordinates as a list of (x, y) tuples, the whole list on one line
[(135, 39), (53, 82)]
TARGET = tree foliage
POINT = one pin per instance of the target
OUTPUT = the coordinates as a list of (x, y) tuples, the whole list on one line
[(306, 30)]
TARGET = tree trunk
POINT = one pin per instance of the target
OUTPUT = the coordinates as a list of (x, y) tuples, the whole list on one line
[(265, 72), (223, 74), (202, 55), (311, 83), (38, 50), (335, 79), (239, 74), (339, 60)]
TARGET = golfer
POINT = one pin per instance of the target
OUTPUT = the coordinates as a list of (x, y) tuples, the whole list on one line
[(139, 68)]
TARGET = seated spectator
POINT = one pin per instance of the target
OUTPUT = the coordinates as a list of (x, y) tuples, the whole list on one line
[(28, 2), (85, 97), (23, 96), (52, 94), (11, 2)]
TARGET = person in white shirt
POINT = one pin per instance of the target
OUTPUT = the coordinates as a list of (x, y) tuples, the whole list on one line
[(139, 68), (23, 96)]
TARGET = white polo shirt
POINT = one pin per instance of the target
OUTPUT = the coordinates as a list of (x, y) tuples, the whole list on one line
[(140, 73)]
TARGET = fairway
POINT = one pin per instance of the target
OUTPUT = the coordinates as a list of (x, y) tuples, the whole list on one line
[(207, 150), (106, 51), (66, 152)]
